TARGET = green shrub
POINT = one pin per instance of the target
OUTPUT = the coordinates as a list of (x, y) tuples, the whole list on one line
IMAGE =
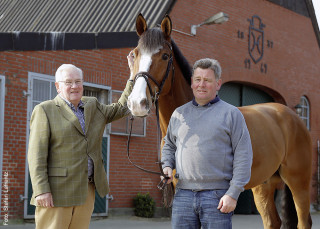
[(144, 205)]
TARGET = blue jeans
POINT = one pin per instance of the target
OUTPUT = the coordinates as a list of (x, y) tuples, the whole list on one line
[(193, 210)]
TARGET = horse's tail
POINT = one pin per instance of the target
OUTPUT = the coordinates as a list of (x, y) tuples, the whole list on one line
[(288, 210)]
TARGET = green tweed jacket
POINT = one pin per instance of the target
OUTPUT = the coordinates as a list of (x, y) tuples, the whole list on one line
[(58, 149)]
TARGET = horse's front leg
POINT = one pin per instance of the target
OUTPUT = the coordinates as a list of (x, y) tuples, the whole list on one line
[(264, 200)]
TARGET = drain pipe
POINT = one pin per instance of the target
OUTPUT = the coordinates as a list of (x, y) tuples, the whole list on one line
[(318, 172)]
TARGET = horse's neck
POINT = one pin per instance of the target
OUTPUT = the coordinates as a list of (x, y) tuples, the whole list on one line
[(179, 94)]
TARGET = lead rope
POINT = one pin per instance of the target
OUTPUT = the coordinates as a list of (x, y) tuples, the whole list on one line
[(167, 190), (128, 152)]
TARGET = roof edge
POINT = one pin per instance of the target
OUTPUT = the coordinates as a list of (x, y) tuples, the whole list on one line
[(313, 19), (38, 41)]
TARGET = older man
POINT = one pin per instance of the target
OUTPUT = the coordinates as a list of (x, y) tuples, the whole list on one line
[(64, 155)]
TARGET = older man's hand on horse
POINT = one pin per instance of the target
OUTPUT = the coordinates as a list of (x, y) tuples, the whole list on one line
[(167, 171), (130, 58), (227, 204)]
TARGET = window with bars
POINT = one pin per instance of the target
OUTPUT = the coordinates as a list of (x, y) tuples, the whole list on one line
[(305, 111), (101, 94)]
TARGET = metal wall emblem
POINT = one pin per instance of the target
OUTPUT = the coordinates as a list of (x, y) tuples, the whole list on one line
[(256, 38)]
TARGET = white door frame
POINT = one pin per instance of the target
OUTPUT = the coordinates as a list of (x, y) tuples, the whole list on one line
[(31, 76), (2, 100)]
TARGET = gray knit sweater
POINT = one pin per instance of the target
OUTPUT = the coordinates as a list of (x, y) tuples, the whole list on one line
[(210, 147)]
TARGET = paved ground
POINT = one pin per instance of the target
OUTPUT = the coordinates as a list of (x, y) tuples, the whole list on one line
[(239, 222)]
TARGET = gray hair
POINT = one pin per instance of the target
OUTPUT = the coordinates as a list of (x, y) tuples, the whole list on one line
[(208, 63), (64, 67)]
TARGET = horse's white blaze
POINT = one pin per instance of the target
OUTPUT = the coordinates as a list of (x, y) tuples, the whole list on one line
[(145, 62), (138, 97)]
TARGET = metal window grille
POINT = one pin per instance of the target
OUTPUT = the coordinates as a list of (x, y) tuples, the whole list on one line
[(305, 113)]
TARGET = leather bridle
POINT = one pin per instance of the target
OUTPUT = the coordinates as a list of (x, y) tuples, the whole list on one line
[(155, 96), (148, 77)]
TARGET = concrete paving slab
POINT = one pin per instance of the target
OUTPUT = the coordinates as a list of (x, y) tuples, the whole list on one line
[(132, 222)]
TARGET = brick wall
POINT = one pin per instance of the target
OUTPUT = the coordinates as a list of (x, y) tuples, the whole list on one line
[(292, 71), (125, 179)]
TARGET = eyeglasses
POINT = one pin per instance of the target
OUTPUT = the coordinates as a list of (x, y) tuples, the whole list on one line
[(70, 83)]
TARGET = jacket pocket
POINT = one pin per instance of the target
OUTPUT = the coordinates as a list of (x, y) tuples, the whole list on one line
[(57, 172)]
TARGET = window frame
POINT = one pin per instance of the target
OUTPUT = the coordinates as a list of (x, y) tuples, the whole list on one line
[(305, 111), (128, 123), (2, 107), (107, 129)]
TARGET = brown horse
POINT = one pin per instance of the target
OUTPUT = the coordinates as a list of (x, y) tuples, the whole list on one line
[(280, 141)]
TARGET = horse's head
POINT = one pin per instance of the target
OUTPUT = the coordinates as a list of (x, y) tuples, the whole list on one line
[(153, 65)]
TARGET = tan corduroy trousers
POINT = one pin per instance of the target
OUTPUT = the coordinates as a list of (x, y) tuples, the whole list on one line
[(76, 217)]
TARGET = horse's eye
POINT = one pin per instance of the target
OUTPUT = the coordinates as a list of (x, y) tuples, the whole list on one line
[(165, 56)]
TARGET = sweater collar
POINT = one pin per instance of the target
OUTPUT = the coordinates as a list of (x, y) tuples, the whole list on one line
[(216, 99)]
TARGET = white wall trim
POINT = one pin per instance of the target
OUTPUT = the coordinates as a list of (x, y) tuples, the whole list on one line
[(2, 101)]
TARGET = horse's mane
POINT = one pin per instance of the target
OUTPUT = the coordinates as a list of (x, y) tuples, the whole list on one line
[(150, 39), (182, 62), (154, 37)]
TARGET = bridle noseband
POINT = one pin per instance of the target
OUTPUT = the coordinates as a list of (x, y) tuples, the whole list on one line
[(155, 96)]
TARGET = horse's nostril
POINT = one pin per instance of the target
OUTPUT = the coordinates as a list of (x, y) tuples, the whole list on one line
[(144, 102)]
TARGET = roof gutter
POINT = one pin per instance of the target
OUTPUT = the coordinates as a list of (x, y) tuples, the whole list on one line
[(38, 41), (313, 19)]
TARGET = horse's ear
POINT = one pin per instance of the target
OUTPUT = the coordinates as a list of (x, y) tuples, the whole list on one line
[(141, 25), (166, 26)]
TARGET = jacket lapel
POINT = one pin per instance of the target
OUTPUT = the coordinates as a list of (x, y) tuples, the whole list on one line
[(87, 113), (66, 112)]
